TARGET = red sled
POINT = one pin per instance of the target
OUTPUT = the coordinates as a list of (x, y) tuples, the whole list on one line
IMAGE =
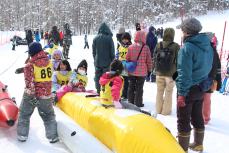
[(8, 108)]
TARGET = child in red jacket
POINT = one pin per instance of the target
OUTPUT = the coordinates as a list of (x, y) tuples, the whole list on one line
[(111, 88)]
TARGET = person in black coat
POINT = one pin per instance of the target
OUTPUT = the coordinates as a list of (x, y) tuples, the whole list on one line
[(151, 41), (67, 40), (54, 36), (103, 52), (29, 37)]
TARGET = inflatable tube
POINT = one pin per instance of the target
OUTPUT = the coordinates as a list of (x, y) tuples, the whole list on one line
[(76, 138), (8, 109), (122, 131)]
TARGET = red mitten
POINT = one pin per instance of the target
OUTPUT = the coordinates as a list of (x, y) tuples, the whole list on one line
[(181, 101)]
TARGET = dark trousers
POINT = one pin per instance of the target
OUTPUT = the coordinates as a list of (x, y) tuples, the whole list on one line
[(135, 90), (192, 111), (125, 87), (66, 50), (86, 45), (98, 73)]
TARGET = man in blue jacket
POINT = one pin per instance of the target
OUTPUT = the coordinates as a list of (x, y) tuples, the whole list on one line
[(193, 66)]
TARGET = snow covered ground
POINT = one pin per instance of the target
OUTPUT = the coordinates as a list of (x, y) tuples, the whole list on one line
[(217, 134)]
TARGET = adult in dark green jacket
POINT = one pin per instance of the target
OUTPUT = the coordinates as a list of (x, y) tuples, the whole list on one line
[(193, 66), (164, 79), (103, 52)]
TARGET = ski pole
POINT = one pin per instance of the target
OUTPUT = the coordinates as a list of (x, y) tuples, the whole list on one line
[(221, 52)]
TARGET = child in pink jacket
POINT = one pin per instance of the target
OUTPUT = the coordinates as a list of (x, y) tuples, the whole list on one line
[(111, 88)]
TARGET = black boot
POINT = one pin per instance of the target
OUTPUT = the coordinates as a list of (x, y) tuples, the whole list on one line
[(183, 139), (197, 145)]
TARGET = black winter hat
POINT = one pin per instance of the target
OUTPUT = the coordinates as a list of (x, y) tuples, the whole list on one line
[(83, 64), (127, 36), (116, 66), (34, 48), (191, 26)]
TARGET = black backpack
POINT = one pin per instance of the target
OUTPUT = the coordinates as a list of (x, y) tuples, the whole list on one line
[(164, 58)]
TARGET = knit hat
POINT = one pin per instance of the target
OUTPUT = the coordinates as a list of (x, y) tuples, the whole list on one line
[(83, 64), (121, 30), (191, 26), (34, 48), (116, 66)]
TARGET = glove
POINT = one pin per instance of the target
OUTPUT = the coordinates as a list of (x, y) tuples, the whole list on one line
[(117, 104), (181, 101), (19, 70)]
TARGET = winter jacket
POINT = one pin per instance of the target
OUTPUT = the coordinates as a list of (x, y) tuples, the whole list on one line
[(76, 77), (33, 87), (54, 36), (61, 35), (144, 63), (103, 47), (194, 62), (55, 64), (59, 79), (67, 40), (174, 48), (37, 37), (151, 40), (29, 37), (115, 84)]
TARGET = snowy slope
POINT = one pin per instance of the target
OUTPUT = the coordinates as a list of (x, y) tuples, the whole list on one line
[(217, 134)]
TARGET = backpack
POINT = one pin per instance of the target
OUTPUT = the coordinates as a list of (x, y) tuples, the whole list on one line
[(164, 58), (207, 84)]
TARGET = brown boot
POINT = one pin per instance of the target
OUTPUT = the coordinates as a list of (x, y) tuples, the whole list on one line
[(183, 139), (197, 145)]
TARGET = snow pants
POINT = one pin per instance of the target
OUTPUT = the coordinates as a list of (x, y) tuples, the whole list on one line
[(135, 90), (46, 111), (192, 111), (125, 87), (164, 94)]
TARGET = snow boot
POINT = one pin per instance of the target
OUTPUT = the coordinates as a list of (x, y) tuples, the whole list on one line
[(54, 140), (22, 138), (183, 139), (197, 145)]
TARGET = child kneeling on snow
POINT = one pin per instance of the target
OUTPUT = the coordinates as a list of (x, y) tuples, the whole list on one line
[(111, 88), (77, 83)]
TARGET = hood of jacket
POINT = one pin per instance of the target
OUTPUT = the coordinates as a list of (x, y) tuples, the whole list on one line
[(169, 34), (104, 29), (201, 40), (140, 37), (40, 59)]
